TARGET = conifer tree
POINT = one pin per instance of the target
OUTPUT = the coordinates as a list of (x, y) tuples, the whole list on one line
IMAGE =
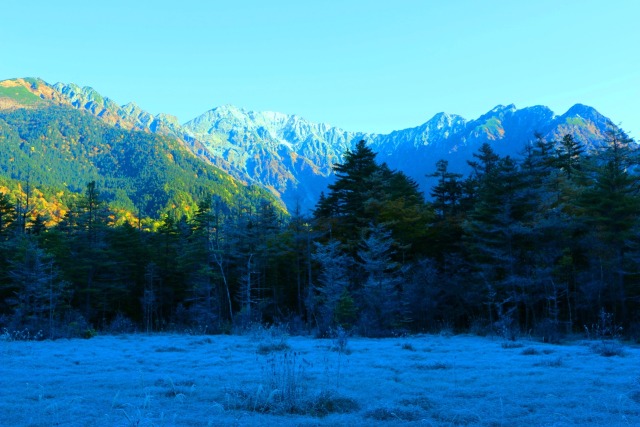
[(332, 287), (447, 192), (382, 309), (196, 261), (38, 290), (364, 193), (611, 208), (445, 233), (343, 212), (7, 215), (298, 235), (569, 153), (496, 232)]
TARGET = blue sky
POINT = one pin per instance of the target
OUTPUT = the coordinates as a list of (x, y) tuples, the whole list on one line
[(362, 65)]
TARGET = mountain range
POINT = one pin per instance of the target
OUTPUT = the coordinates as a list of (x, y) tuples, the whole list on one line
[(293, 158)]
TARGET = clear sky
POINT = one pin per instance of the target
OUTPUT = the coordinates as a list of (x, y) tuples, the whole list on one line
[(363, 65)]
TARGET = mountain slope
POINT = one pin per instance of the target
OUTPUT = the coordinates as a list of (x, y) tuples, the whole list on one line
[(507, 129), (289, 155), (293, 158), (61, 147)]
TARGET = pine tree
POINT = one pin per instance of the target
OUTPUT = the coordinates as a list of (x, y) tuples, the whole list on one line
[(7, 215), (196, 261), (550, 278), (497, 232), (332, 287), (89, 264), (381, 293), (343, 212), (298, 235), (569, 156), (611, 209), (447, 192), (364, 193), (445, 231), (39, 292)]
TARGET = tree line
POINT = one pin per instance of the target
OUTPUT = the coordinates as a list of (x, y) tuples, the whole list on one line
[(541, 244)]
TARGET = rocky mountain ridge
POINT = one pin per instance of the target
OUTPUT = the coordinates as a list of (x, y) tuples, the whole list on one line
[(293, 157)]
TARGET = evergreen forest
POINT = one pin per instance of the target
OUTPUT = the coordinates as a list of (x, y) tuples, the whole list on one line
[(541, 244)]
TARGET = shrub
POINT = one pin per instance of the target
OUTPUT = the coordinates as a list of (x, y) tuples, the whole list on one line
[(506, 327), (445, 329), (74, 325), (608, 348), (89, 333), (549, 331), (480, 327), (605, 328), (121, 325), (327, 402), (283, 388), (283, 391), (272, 339), (608, 333), (340, 341), (21, 335)]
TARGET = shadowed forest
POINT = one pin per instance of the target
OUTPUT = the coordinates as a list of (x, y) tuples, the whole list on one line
[(544, 244)]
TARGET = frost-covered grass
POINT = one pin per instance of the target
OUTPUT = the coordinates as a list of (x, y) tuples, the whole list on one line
[(180, 380)]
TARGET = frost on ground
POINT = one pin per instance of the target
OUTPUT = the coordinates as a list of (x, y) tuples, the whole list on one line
[(180, 380)]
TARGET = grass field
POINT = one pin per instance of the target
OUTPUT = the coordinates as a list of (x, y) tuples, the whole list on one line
[(20, 95), (266, 378)]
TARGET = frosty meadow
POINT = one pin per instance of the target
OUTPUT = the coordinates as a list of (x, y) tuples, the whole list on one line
[(268, 378)]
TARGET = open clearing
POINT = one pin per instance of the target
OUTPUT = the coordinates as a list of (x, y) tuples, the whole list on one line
[(265, 379)]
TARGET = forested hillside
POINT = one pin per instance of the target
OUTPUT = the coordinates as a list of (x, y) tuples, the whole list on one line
[(543, 243), (59, 150)]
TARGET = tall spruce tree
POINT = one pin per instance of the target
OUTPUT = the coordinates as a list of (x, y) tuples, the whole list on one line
[(611, 209), (366, 192), (343, 212), (497, 234), (447, 192)]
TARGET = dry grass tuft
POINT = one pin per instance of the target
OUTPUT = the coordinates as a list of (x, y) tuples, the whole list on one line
[(170, 349), (608, 348), (394, 414), (408, 346), (424, 403), (272, 339), (512, 344), (328, 402), (434, 366), (553, 363), (267, 348)]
